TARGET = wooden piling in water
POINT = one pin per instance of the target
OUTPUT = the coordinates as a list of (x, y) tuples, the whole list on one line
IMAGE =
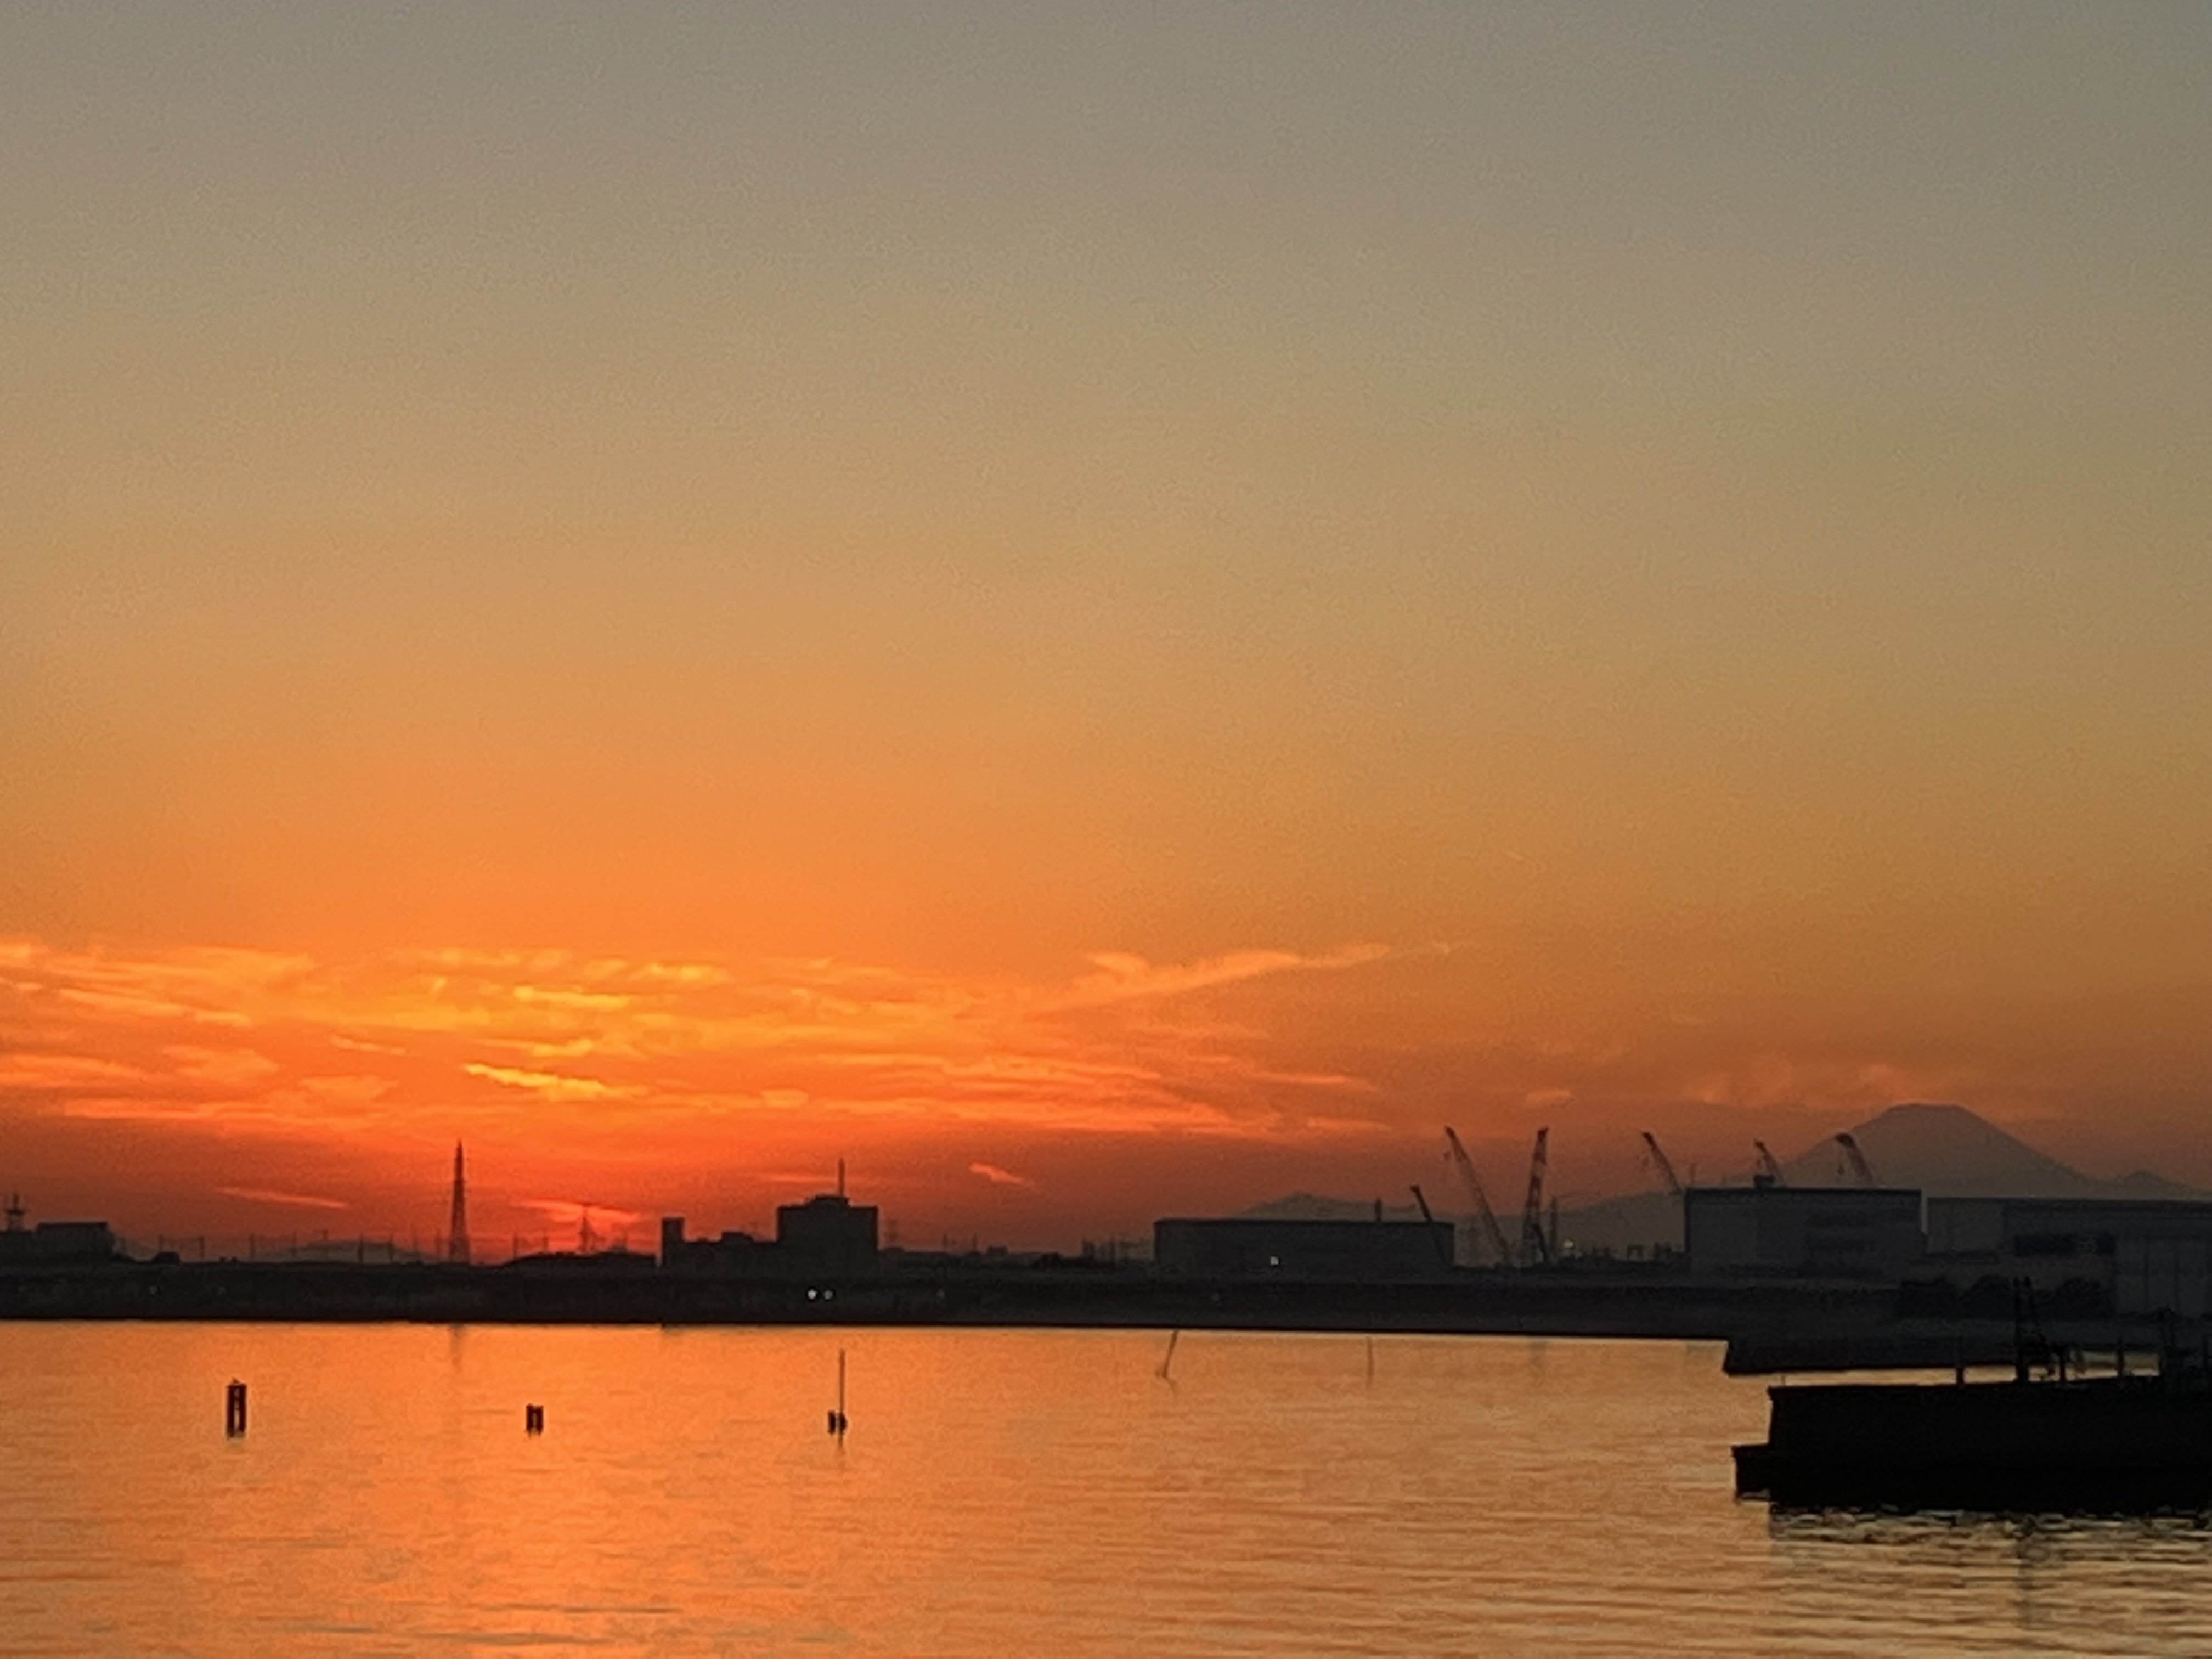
[(233, 1409), (837, 1419)]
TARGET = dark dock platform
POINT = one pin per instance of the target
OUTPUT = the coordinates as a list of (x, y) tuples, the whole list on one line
[(2110, 1443)]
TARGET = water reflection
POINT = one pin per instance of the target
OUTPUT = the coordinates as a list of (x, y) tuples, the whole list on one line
[(998, 1491), (2069, 1582), (2032, 1532)]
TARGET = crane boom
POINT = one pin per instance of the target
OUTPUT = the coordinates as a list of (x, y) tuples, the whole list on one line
[(1860, 1167), (1492, 1234), (1660, 1162), (1535, 1248), (1769, 1172), (1444, 1246)]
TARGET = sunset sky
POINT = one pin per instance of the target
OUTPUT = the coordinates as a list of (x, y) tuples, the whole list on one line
[(1100, 612)]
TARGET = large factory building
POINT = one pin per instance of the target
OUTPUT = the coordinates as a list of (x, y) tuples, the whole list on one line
[(2148, 1256), (1809, 1232)]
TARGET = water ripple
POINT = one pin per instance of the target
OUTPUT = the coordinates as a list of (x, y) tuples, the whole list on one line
[(999, 1491)]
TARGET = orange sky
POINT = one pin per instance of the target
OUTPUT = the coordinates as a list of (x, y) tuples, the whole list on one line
[(1097, 614)]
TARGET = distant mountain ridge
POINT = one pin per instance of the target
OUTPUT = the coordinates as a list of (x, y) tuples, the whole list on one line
[(1943, 1151), (1948, 1152)]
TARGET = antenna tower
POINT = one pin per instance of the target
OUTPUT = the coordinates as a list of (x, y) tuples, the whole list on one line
[(15, 1212), (457, 1236)]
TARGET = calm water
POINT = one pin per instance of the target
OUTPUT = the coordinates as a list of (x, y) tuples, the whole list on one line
[(999, 1491)]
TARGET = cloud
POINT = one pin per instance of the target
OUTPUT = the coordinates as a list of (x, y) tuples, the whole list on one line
[(571, 1211), (999, 1177), (674, 1042), (128, 1108), (138, 1005), (314, 1103), (45, 1072), (550, 1084), (1345, 1128), (297, 1200), (351, 1089), (587, 1002), (231, 1068), (1339, 1080), (1123, 977)]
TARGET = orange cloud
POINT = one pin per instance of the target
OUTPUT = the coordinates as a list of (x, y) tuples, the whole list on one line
[(1122, 977), (666, 1040), (551, 1085), (231, 1068), (49, 1073), (296, 1201), (568, 1069)]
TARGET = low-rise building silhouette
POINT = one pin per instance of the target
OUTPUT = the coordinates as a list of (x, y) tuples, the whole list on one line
[(60, 1241), (829, 1235)]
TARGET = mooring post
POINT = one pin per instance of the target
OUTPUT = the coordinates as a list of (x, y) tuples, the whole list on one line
[(838, 1424), (233, 1409), (533, 1419)]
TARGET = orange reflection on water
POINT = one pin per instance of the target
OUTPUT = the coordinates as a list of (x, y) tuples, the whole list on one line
[(998, 1491)]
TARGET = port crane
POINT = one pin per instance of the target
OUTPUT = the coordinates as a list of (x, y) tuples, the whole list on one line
[(1443, 1249), (1492, 1234), (1535, 1248), (1860, 1167), (1769, 1173), (1661, 1162)]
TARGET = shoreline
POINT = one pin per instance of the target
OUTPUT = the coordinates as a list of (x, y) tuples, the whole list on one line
[(1562, 1304)]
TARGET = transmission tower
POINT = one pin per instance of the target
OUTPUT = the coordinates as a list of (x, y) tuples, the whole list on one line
[(456, 1238)]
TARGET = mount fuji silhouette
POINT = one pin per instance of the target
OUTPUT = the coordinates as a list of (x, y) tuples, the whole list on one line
[(1944, 1151), (1948, 1151)]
